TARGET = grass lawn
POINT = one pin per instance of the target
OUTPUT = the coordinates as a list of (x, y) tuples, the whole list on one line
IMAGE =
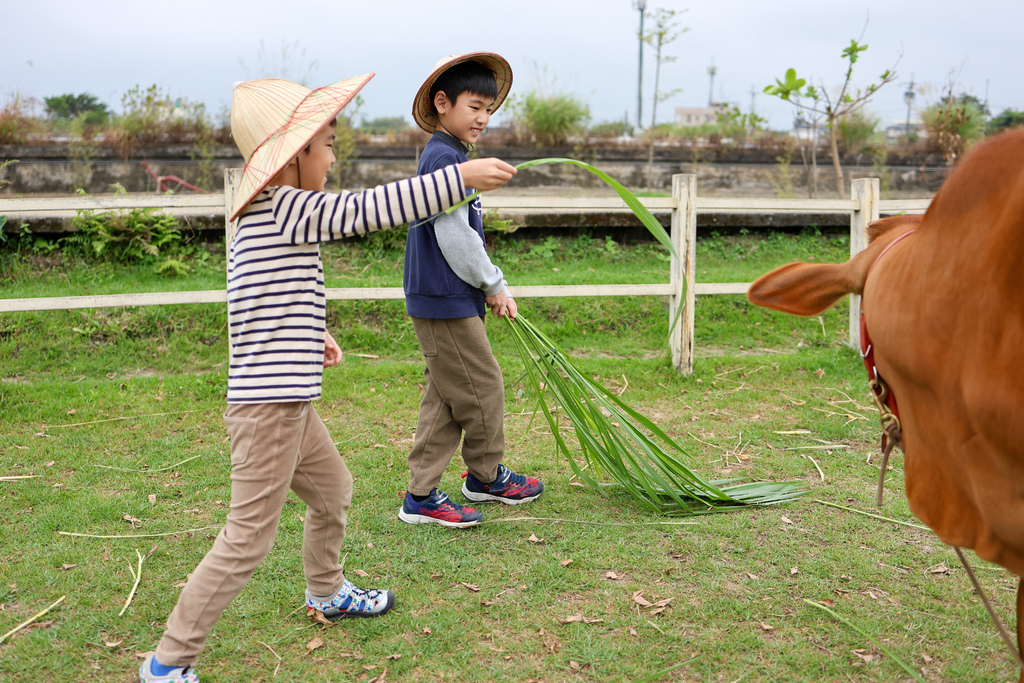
[(116, 416)]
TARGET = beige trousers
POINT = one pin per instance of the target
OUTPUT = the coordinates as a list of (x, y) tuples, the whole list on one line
[(274, 447), (465, 393)]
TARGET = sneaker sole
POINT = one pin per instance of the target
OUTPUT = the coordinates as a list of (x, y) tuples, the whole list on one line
[(423, 519), (477, 497), (360, 615)]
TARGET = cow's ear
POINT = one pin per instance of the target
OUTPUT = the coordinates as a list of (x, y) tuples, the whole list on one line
[(801, 288)]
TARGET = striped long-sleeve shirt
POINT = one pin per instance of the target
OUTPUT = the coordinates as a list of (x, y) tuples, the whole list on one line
[(276, 298)]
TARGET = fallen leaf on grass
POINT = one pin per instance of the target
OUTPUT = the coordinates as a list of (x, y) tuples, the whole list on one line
[(939, 569), (566, 563), (632, 631), (576, 483), (317, 617), (66, 566), (574, 665), (533, 539), (580, 618), (22, 448), (612, 575), (394, 656), (794, 571), (753, 577), (638, 598), (152, 499), (315, 643), (113, 644), (865, 656), (767, 627), (360, 572), (472, 586), (131, 520), (71, 412), (427, 631), (786, 519)]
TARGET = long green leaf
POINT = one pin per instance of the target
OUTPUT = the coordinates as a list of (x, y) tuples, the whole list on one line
[(623, 444), (641, 212)]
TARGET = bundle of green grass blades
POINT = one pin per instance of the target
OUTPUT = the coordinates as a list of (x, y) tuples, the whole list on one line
[(617, 440)]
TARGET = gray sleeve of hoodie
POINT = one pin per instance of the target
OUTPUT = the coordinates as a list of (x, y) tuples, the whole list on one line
[(465, 253)]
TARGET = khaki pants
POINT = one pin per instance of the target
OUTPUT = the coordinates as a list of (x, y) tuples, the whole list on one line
[(465, 393), (274, 447)]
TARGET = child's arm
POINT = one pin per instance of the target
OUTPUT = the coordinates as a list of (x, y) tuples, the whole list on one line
[(318, 216)]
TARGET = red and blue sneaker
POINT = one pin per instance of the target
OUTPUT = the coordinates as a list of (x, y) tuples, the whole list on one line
[(509, 488), (437, 509)]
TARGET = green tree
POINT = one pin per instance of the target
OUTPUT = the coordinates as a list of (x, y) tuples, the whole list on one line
[(832, 109), (383, 125), (68, 107), (1009, 118), (666, 30)]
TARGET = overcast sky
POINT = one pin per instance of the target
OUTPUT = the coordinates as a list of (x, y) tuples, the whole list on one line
[(196, 49)]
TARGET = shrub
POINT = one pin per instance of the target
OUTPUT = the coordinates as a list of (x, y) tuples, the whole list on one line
[(151, 116), (858, 133), (611, 129), (138, 236), (1009, 118), (15, 123), (548, 120), (953, 124)]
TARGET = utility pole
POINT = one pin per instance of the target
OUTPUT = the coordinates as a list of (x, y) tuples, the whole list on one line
[(642, 6), (712, 70), (908, 97)]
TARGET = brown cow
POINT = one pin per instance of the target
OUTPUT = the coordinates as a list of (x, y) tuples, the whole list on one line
[(945, 310)]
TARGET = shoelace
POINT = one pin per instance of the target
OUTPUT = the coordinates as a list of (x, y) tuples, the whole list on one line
[(506, 475)]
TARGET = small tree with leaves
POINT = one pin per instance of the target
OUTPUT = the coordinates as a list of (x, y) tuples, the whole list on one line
[(833, 109), (666, 30)]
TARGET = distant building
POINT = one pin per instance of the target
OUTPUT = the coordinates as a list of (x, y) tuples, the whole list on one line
[(901, 129), (698, 116)]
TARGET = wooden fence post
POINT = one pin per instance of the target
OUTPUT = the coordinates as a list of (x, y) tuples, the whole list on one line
[(865, 192), (682, 271), (231, 178)]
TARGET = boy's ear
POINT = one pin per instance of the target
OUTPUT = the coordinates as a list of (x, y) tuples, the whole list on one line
[(440, 101)]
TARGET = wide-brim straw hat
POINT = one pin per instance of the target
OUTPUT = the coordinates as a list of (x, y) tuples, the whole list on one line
[(423, 107), (272, 120)]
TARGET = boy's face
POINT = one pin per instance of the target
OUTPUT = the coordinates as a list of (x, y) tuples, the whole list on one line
[(466, 118), (315, 164)]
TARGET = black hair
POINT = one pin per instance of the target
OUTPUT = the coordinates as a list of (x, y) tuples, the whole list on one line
[(471, 76), (333, 123)]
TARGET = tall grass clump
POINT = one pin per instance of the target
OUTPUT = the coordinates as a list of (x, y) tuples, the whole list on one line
[(548, 120)]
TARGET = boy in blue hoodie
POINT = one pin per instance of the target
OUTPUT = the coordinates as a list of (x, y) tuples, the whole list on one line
[(449, 284)]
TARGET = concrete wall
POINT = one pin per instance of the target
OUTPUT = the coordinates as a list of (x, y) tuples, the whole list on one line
[(55, 170)]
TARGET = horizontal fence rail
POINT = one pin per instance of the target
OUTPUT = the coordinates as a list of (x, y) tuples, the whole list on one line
[(683, 206)]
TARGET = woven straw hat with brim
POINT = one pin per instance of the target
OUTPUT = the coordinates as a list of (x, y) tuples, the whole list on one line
[(272, 120), (423, 106)]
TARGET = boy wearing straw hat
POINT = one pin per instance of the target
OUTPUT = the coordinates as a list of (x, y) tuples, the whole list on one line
[(449, 283), (279, 348)]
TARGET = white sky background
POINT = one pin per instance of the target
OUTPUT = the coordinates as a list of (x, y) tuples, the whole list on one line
[(194, 49)]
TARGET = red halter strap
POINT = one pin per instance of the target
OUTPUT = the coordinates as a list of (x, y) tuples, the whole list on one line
[(883, 397)]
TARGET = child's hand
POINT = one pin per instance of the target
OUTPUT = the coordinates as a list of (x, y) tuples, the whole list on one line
[(332, 352), (486, 174), (502, 304)]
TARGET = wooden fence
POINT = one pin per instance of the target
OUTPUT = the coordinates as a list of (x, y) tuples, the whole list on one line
[(681, 290)]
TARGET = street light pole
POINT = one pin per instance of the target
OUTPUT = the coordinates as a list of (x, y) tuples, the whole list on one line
[(640, 5)]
